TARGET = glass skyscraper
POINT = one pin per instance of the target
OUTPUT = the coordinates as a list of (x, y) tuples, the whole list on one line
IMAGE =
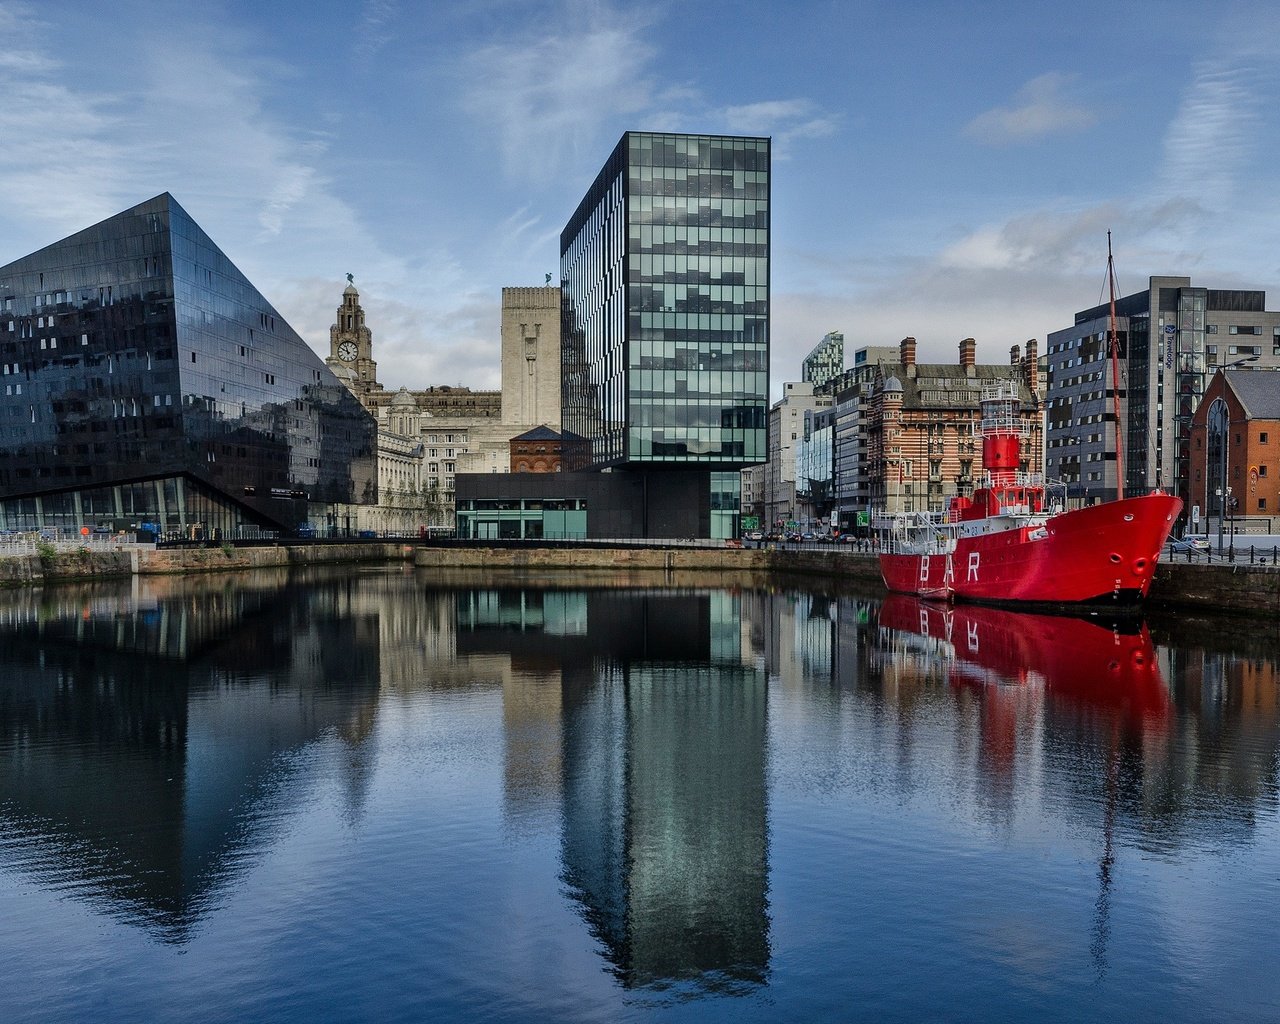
[(665, 274), (146, 380)]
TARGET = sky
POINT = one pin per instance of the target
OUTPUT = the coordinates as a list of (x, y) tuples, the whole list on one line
[(940, 170)]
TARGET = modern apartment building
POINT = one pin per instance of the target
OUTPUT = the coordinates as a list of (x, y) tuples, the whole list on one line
[(786, 435), (851, 394), (825, 360), (1172, 336), (665, 338)]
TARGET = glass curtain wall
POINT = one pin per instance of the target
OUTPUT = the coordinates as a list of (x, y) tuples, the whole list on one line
[(135, 350), (1190, 380), (665, 270)]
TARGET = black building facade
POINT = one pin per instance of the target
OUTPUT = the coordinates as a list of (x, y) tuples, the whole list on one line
[(146, 381)]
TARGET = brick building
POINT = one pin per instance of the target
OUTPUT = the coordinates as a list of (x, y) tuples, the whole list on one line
[(1235, 449), (923, 443), (537, 451)]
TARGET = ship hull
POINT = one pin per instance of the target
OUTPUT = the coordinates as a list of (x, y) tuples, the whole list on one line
[(1099, 554)]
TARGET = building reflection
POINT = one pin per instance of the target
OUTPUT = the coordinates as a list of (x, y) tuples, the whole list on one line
[(148, 728), (152, 730), (656, 738)]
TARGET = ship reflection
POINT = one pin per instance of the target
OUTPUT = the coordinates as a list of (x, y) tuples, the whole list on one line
[(1099, 683), (1082, 661)]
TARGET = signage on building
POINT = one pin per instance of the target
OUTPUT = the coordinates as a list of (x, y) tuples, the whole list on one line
[(1170, 332)]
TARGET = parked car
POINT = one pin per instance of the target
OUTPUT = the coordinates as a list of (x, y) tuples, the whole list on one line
[(1196, 545)]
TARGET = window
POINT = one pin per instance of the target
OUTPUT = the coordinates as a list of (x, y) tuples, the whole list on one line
[(1262, 504), (1262, 438), (1210, 328)]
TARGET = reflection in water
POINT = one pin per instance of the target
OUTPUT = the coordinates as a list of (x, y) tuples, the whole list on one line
[(1018, 663), (661, 762), (1093, 699), (145, 730), (155, 735)]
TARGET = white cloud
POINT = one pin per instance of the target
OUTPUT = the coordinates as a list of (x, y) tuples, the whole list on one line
[(373, 29), (1214, 132), (548, 94), (1001, 283), (187, 114), (784, 120), (1040, 108)]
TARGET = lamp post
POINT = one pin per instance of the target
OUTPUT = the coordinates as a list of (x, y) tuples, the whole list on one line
[(1218, 424), (1217, 492), (1230, 503)]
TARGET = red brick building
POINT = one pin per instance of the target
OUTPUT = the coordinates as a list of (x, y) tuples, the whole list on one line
[(539, 450), (1235, 446)]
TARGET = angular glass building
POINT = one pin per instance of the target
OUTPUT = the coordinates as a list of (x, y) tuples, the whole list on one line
[(665, 277), (146, 383)]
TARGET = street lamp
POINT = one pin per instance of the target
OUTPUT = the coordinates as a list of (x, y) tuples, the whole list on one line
[(1231, 504), (1218, 424)]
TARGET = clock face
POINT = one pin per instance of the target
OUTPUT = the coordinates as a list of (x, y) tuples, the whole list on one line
[(347, 351)]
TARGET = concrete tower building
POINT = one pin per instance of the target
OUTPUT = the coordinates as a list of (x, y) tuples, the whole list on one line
[(531, 357)]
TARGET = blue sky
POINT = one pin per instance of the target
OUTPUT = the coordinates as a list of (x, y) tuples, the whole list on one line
[(942, 170)]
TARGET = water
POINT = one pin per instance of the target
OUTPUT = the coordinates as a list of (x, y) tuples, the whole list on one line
[(375, 795)]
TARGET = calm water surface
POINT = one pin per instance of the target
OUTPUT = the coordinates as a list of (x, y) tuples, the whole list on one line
[(374, 796)]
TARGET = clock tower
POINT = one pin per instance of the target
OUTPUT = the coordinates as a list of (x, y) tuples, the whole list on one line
[(351, 345)]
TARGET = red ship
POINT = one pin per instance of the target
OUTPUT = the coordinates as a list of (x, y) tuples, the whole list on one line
[(1007, 544)]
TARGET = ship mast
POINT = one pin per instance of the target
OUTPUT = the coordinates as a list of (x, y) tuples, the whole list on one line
[(1113, 347)]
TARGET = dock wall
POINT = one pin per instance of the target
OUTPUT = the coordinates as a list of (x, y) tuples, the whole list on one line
[(1207, 587)]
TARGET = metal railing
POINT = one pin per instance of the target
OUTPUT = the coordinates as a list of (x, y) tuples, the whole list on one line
[(30, 542)]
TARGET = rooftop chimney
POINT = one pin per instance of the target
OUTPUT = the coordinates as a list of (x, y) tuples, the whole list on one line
[(1032, 366), (907, 355), (969, 356)]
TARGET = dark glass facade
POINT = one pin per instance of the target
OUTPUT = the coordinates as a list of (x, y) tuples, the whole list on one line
[(145, 379), (665, 271)]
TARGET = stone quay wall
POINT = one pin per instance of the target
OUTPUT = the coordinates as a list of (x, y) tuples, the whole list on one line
[(1237, 587), (1217, 586), (141, 560)]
